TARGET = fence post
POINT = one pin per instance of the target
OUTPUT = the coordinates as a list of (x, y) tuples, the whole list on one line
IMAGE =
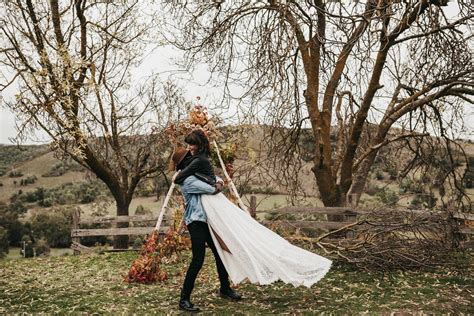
[(454, 225), (76, 216), (253, 206), (353, 203)]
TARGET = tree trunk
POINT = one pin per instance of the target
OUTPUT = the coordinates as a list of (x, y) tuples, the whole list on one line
[(330, 195), (329, 192), (360, 178), (121, 242)]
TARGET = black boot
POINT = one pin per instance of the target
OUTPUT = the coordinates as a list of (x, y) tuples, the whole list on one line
[(186, 305), (230, 294)]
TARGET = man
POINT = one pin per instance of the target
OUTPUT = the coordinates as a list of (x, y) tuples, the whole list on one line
[(195, 220)]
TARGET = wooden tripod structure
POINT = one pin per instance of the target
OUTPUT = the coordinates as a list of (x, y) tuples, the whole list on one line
[(229, 180)]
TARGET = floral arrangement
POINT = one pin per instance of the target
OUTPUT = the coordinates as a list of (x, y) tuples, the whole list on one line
[(174, 242), (146, 268), (198, 118)]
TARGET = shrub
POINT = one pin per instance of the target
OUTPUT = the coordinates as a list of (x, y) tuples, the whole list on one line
[(3, 242), (48, 202), (42, 193), (56, 171), (30, 180), (42, 249), (379, 175), (245, 189), (67, 193), (87, 191), (34, 196), (140, 210), (266, 190), (87, 198), (9, 220), (15, 174), (424, 200), (408, 185), (469, 179), (61, 168), (15, 231), (387, 196), (138, 243), (54, 226), (18, 207)]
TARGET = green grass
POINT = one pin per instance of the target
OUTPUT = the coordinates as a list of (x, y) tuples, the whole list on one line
[(93, 284), (14, 252)]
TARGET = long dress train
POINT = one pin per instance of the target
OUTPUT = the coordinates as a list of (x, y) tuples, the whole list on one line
[(255, 252)]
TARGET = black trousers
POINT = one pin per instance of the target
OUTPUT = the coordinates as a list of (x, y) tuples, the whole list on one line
[(200, 235)]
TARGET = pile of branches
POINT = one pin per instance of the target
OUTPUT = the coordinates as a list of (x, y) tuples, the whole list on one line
[(390, 238)]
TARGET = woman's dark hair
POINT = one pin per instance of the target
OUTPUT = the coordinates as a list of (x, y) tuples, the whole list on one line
[(198, 138)]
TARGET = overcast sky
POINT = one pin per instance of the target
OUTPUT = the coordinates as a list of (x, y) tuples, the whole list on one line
[(161, 61)]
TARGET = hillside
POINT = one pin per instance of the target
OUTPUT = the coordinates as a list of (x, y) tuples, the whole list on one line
[(254, 173)]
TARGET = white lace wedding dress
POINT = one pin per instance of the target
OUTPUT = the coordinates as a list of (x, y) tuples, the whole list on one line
[(257, 253)]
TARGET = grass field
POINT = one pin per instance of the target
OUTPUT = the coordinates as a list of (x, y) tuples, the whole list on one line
[(94, 284), (14, 253)]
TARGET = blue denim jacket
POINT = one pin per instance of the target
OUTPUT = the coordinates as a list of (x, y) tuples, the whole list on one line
[(192, 188)]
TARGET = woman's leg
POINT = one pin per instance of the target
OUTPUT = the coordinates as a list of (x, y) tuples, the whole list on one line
[(223, 275), (198, 233)]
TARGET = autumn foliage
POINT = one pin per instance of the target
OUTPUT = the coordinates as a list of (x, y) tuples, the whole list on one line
[(146, 268)]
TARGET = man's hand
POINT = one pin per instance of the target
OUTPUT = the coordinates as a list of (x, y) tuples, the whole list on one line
[(218, 186), (175, 175)]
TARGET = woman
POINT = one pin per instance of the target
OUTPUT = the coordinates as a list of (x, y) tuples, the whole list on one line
[(254, 252)]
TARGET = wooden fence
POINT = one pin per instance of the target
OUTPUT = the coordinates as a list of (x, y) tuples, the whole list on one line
[(338, 217), (77, 232), (333, 218)]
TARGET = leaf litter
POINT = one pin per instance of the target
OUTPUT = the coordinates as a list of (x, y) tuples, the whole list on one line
[(94, 284)]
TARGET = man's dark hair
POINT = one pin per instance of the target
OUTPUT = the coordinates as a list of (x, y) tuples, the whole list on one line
[(198, 138)]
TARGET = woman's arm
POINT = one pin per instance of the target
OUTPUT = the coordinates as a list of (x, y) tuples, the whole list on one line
[(193, 185), (193, 167)]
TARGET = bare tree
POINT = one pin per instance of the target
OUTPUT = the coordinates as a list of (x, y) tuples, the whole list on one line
[(71, 62), (350, 70)]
